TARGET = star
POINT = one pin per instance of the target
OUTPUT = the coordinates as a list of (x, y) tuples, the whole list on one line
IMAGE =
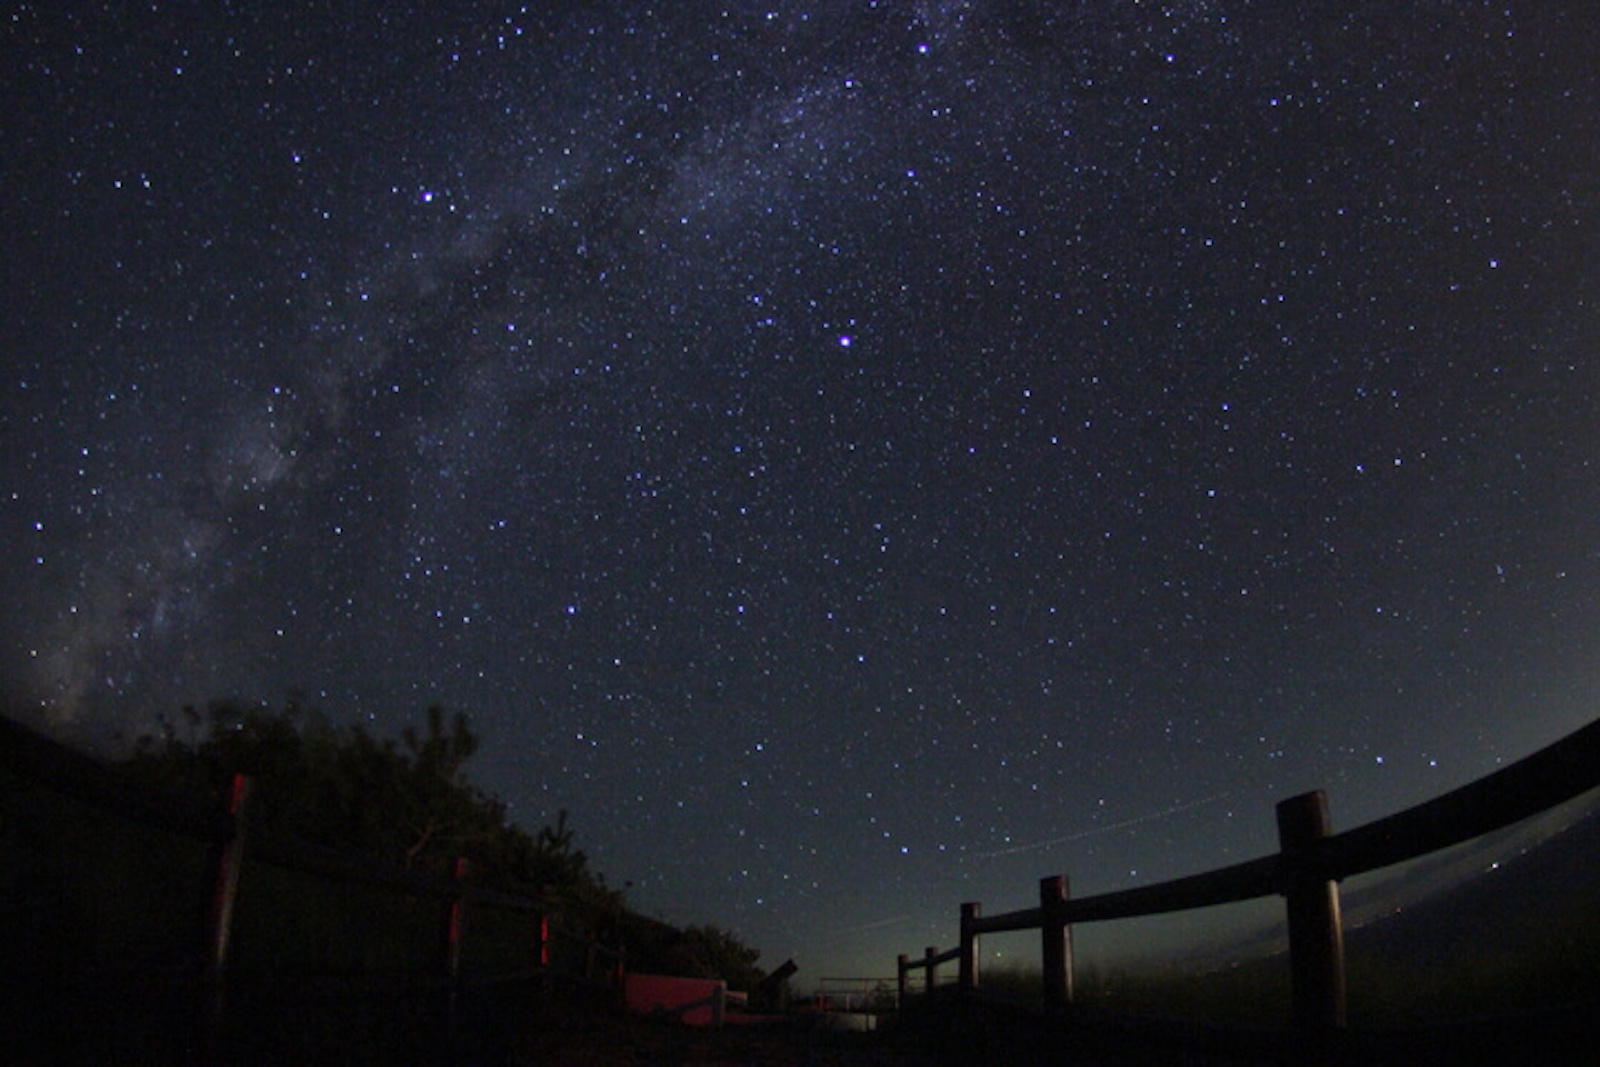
[(940, 447)]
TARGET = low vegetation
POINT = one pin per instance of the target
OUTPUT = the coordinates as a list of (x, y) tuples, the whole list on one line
[(405, 803)]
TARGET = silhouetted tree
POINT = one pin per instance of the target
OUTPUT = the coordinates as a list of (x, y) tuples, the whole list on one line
[(406, 803), (711, 952)]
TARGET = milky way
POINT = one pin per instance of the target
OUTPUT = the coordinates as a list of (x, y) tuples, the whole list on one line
[(857, 457)]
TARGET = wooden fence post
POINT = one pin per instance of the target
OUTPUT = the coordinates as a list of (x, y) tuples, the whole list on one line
[(900, 981), (224, 895), (969, 946), (226, 891), (1056, 948), (455, 921), (719, 1005), (1316, 931), (928, 968)]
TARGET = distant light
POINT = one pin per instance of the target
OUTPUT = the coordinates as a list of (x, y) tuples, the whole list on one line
[(845, 340)]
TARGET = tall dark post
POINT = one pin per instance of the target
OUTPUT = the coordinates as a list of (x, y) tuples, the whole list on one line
[(229, 856), (969, 947), (224, 895), (928, 968), (900, 980), (1056, 947), (1316, 930), (454, 922)]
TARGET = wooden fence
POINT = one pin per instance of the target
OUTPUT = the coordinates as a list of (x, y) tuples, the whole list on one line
[(197, 980), (1306, 871)]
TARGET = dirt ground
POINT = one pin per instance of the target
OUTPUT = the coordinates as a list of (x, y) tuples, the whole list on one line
[(577, 1032), (597, 1034), (594, 1033)]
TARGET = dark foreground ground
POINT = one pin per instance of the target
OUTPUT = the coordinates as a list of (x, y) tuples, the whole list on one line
[(536, 1025), (952, 1032), (579, 1031)]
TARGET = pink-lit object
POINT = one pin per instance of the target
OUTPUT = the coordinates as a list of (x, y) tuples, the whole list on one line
[(691, 1001)]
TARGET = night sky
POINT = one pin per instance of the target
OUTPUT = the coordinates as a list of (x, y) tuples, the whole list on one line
[(857, 457)]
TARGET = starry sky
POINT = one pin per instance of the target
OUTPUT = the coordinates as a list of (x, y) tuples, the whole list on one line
[(856, 456)]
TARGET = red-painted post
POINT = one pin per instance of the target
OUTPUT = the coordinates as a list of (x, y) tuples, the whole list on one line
[(224, 897), (1056, 947), (455, 921), (226, 891), (969, 946), (1316, 930)]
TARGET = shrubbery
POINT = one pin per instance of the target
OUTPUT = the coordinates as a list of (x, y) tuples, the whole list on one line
[(408, 803)]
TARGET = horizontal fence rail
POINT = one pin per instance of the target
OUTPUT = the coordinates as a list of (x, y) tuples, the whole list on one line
[(1306, 870)]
